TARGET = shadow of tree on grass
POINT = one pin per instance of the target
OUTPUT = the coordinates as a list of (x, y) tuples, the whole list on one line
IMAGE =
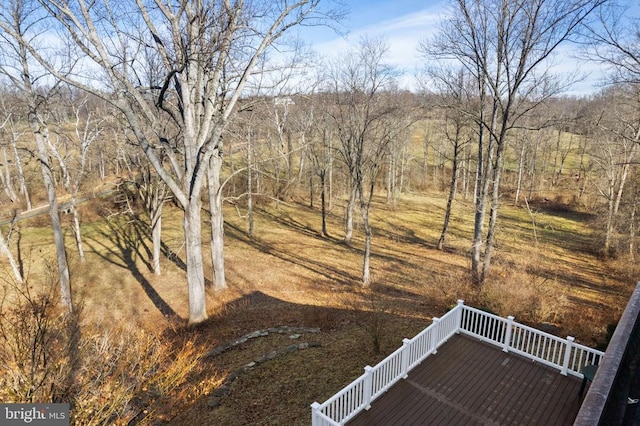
[(128, 238)]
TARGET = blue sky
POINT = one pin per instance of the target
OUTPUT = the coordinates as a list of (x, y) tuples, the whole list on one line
[(404, 23)]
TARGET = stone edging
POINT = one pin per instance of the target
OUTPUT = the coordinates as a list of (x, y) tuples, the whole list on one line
[(292, 331), (215, 398)]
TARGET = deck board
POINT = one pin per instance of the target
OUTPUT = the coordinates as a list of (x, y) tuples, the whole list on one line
[(469, 382)]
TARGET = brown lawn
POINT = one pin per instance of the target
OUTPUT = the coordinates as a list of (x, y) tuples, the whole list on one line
[(288, 275)]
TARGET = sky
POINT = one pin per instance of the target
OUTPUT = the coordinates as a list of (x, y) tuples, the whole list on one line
[(403, 23)]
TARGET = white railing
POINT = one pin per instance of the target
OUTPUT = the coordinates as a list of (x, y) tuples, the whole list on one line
[(563, 354)]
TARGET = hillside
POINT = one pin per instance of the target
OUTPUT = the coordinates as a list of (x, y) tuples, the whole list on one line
[(288, 275)]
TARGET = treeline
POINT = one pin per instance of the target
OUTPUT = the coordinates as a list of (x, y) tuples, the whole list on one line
[(183, 102)]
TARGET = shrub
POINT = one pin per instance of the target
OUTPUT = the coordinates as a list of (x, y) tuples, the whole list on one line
[(370, 312), (108, 376)]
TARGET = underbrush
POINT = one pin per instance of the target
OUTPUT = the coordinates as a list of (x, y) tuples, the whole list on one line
[(109, 374), (525, 292)]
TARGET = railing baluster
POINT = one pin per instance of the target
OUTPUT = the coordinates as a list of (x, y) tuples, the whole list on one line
[(577, 353), (459, 312), (367, 387), (506, 344), (567, 355), (405, 357), (315, 420), (434, 336)]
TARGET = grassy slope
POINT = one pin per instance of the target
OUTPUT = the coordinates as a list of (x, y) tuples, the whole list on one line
[(289, 275)]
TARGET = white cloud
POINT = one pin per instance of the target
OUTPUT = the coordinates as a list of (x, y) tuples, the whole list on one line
[(402, 34)]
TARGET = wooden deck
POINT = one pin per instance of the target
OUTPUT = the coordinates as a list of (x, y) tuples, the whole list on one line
[(471, 382)]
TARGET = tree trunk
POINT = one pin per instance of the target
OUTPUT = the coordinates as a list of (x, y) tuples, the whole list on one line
[(366, 273), (389, 180), (493, 215), (217, 222), (156, 237), (348, 229), (101, 165), (195, 271), (610, 214), (482, 187), (77, 232), (5, 178), (4, 249), (303, 155), (403, 169), (249, 185), (323, 202), (532, 172), (520, 171), (289, 159), (330, 208), (466, 172), (623, 179), (23, 184), (452, 195), (41, 134), (425, 157)]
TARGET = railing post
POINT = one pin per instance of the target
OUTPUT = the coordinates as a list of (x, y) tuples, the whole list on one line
[(368, 387), (460, 307), (567, 355), (405, 358), (314, 417), (434, 335), (507, 334)]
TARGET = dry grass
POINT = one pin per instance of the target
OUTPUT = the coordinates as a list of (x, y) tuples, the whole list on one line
[(287, 274)]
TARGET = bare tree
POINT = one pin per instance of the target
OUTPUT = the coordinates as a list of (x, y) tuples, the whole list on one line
[(152, 193), (398, 155), (71, 152), (455, 96), (20, 25), (320, 148), (615, 146), (506, 46), (14, 135), (614, 39), (359, 83), (5, 250), (209, 50), (5, 175)]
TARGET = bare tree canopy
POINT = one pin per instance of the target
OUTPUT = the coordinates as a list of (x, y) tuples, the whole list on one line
[(176, 70), (506, 46), (615, 42)]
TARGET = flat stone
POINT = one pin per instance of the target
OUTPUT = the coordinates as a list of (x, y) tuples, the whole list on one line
[(294, 336), (214, 401), (290, 348), (232, 376), (222, 390)]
